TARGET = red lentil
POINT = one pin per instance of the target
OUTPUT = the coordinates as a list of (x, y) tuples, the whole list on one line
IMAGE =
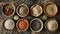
[(22, 25)]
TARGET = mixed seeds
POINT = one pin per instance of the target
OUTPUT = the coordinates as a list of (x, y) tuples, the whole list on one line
[(8, 9), (22, 10), (36, 25), (50, 9)]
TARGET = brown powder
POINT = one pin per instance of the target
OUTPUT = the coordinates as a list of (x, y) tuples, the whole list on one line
[(8, 9)]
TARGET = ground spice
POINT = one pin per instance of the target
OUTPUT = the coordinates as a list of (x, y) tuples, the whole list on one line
[(52, 25), (9, 24), (36, 10), (50, 9), (22, 25), (8, 9), (22, 10)]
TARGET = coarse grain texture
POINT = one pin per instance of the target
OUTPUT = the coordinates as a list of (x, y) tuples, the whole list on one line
[(8, 9), (22, 24), (36, 10), (36, 25), (22, 10), (9, 24), (50, 9), (52, 25)]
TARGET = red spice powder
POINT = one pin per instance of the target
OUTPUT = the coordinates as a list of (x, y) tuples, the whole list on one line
[(22, 25)]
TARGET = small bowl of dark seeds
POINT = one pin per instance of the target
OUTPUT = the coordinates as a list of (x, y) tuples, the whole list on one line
[(36, 25)]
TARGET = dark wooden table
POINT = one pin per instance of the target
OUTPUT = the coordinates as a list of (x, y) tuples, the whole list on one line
[(29, 17)]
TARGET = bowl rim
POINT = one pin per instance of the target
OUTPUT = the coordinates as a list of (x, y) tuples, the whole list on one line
[(4, 23), (40, 22), (26, 22), (33, 7), (25, 5), (50, 3), (46, 25), (13, 8)]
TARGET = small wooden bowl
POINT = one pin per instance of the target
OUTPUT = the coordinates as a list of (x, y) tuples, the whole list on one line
[(36, 8), (40, 29), (19, 8), (4, 24), (54, 8), (46, 25), (13, 9), (18, 27)]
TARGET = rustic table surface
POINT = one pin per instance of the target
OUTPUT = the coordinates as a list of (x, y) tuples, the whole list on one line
[(29, 17)]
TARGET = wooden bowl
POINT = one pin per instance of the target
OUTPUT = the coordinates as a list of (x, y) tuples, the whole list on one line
[(8, 5), (19, 28), (5, 24), (50, 9), (51, 25), (36, 10), (40, 23), (26, 12)]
